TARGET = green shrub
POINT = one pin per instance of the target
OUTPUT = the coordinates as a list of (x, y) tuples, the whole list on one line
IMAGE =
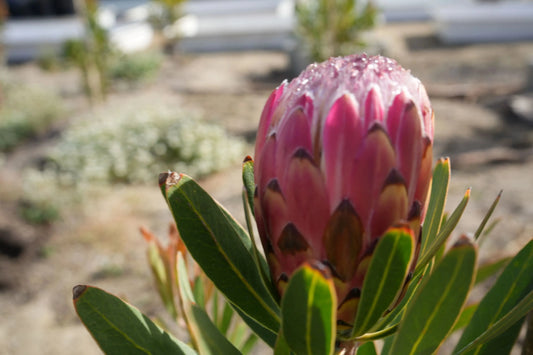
[(137, 144), (39, 214), (135, 68), (331, 28), (26, 111)]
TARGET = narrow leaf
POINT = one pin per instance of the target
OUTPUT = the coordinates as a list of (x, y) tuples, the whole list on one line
[(513, 319), (221, 247), (248, 180), (259, 258), (199, 292), (487, 270), (225, 321), (444, 233), (281, 347), (465, 317), (248, 202), (514, 283), (308, 312), (205, 334), (120, 328), (481, 227), (396, 314), (214, 308), (367, 349), (439, 191), (383, 333), (249, 344), (431, 315), (238, 334), (267, 335), (387, 344), (385, 277)]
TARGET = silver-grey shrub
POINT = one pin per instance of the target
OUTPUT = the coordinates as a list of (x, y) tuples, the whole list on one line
[(136, 144)]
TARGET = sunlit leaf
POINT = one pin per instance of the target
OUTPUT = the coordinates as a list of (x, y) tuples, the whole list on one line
[(465, 317), (308, 309), (367, 349), (481, 227), (439, 191), (385, 277), (487, 270), (514, 283), (221, 247), (435, 308), (443, 234), (504, 331), (120, 328), (208, 339), (248, 180)]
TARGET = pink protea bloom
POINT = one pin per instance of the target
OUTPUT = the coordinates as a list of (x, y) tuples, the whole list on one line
[(343, 152)]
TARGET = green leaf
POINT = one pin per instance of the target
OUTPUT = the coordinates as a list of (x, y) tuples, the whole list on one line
[(227, 316), (205, 334), (394, 317), (435, 308), (487, 270), (465, 317), (443, 234), (387, 344), (383, 333), (308, 309), (385, 277), (267, 335), (248, 180), (161, 275), (249, 344), (238, 334), (120, 328), (367, 349), (439, 191), (259, 259), (515, 282), (221, 247), (199, 291), (481, 227), (509, 326), (281, 347)]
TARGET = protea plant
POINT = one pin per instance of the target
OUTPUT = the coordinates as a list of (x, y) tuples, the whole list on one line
[(343, 152), (341, 174)]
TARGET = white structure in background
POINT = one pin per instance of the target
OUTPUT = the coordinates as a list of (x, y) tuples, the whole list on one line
[(213, 25), (485, 22), (30, 37), (412, 10), (218, 25), (25, 39)]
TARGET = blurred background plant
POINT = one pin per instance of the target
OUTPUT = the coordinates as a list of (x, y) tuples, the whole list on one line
[(26, 111), (329, 28), (175, 273), (163, 17), (136, 69), (124, 146), (91, 55), (128, 145)]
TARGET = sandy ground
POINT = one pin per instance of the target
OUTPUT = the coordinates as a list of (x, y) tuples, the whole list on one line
[(101, 245)]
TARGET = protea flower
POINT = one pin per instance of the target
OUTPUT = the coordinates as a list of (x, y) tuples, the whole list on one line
[(343, 152)]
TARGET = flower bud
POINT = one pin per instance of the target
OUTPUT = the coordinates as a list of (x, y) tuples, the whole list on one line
[(343, 152)]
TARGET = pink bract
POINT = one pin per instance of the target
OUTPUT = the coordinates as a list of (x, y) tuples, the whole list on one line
[(343, 152)]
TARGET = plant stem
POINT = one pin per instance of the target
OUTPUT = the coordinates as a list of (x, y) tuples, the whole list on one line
[(348, 347)]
